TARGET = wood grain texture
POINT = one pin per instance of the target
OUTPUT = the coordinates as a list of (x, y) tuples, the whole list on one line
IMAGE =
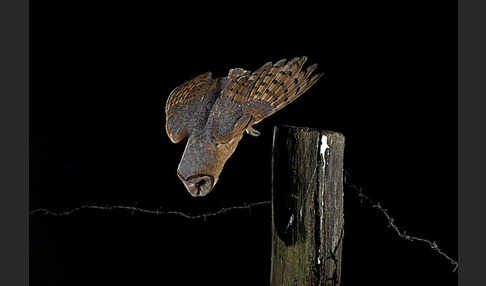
[(307, 206)]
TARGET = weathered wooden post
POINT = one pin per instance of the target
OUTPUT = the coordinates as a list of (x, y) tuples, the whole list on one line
[(307, 206)]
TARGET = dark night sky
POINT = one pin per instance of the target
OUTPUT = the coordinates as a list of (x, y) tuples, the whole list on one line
[(100, 75)]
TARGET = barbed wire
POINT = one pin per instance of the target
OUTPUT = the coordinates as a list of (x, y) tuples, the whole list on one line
[(391, 221), (157, 212)]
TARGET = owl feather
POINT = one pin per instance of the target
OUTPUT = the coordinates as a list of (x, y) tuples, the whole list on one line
[(214, 113)]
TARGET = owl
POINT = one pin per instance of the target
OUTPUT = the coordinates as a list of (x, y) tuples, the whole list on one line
[(214, 113)]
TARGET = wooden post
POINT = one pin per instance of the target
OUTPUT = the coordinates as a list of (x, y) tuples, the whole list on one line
[(307, 207)]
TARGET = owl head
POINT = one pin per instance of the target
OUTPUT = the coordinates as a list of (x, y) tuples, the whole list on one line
[(214, 114)]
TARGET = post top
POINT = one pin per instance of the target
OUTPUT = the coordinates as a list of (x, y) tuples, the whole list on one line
[(310, 129)]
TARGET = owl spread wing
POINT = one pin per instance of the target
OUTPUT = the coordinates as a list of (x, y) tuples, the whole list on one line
[(188, 106), (251, 97)]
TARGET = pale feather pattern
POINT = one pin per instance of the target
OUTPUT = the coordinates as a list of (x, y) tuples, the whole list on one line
[(241, 95), (214, 113), (234, 73), (270, 88), (188, 105), (186, 91)]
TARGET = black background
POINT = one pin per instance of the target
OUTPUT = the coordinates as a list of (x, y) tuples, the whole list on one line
[(100, 75)]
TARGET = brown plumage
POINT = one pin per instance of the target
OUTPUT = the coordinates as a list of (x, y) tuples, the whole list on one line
[(214, 113)]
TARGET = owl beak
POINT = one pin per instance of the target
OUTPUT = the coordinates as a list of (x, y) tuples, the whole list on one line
[(199, 185)]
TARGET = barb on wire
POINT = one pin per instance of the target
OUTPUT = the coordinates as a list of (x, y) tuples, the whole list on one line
[(358, 190), (401, 233), (133, 209)]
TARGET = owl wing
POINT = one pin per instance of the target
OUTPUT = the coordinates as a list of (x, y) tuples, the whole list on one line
[(188, 105), (254, 96)]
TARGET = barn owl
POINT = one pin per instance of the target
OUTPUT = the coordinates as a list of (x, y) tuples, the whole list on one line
[(214, 114)]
